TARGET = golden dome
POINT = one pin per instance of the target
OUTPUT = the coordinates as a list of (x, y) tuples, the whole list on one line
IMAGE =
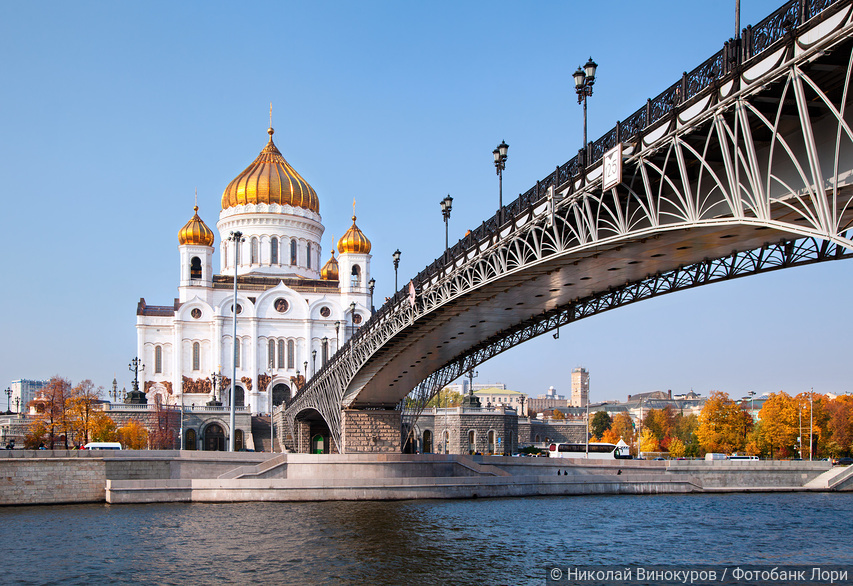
[(270, 180), (329, 272), (196, 232), (354, 241)]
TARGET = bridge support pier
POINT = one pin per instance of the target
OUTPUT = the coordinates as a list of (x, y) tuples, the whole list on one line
[(371, 431)]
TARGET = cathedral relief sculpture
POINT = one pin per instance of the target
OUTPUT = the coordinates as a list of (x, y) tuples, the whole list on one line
[(247, 381), (197, 386), (153, 386), (263, 382)]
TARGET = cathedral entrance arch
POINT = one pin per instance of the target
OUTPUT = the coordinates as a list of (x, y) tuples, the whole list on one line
[(280, 394), (214, 438)]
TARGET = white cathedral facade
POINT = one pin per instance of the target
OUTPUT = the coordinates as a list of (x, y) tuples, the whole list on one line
[(292, 313)]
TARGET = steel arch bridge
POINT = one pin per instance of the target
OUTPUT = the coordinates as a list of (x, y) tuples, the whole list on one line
[(744, 166)]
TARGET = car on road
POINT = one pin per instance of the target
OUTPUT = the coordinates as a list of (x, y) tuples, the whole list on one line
[(845, 461)]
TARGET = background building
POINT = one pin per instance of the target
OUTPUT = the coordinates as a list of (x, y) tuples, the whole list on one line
[(24, 391), (580, 387)]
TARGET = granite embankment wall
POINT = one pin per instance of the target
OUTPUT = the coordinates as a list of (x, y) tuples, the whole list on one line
[(52, 477)]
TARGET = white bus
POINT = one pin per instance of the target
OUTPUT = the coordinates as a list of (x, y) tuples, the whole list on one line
[(102, 446), (597, 451)]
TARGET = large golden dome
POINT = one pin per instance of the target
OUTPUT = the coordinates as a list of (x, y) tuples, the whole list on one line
[(329, 272), (354, 241), (196, 232), (270, 180)]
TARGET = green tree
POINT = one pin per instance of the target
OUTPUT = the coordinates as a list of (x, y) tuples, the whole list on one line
[(445, 398), (600, 423)]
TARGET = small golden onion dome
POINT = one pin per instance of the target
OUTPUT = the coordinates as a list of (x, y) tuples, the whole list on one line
[(329, 272), (270, 180), (196, 232), (354, 241)]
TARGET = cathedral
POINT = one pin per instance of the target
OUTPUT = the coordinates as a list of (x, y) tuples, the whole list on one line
[(293, 310)]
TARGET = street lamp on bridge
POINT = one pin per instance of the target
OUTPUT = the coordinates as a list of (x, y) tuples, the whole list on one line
[(371, 284), (500, 164), (584, 80), (8, 392), (396, 257), (446, 206)]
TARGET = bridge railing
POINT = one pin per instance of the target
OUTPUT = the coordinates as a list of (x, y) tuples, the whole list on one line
[(754, 41)]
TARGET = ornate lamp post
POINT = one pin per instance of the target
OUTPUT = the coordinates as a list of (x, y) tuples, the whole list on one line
[(214, 379), (325, 351), (500, 164), (337, 335), (18, 405), (584, 80), (137, 397), (236, 238), (371, 284), (313, 362), (396, 257), (305, 364), (470, 401), (8, 392), (352, 318), (446, 205)]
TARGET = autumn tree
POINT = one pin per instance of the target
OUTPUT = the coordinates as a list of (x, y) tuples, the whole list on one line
[(723, 425), (622, 427), (779, 425), (648, 441), (51, 418), (166, 422), (102, 428), (840, 426), (685, 427), (600, 423), (81, 407), (133, 435), (677, 449)]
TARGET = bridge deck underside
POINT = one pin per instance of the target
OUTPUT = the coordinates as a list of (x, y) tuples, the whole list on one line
[(459, 325)]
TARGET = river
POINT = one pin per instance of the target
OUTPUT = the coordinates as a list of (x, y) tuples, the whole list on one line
[(481, 541)]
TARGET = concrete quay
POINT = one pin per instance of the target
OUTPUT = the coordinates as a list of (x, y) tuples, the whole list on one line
[(53, 477)]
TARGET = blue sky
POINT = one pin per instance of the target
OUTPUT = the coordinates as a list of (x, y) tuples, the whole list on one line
[(113, 113)]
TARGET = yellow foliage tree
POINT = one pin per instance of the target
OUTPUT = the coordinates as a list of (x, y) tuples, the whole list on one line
[(133, 435), (779, 424), (609, 436), (648, 441), (723, 425), (446, 398), (677, 449), (103, 428), (81, 407)]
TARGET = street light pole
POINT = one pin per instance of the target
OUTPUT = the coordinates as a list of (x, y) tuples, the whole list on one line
[(8, 392), (337, 335), (500, 164), (313, 362), (396, 257), (584, 80), (446, 206), (370, 285), (236, 238), (811, 421)]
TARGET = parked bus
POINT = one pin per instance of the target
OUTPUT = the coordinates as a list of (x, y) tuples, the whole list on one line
[(102, 446), (597, 451)]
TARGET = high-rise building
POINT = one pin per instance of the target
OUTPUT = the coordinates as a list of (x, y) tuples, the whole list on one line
[(580, 387), (25, 390)]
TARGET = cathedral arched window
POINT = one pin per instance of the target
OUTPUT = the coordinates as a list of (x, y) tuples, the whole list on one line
[(196, 356), (281, 354), (355, 278), (308, 255), (158, 359), (254, 251), (291, 353), (293, 252), (274, 251), (271, 359)]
